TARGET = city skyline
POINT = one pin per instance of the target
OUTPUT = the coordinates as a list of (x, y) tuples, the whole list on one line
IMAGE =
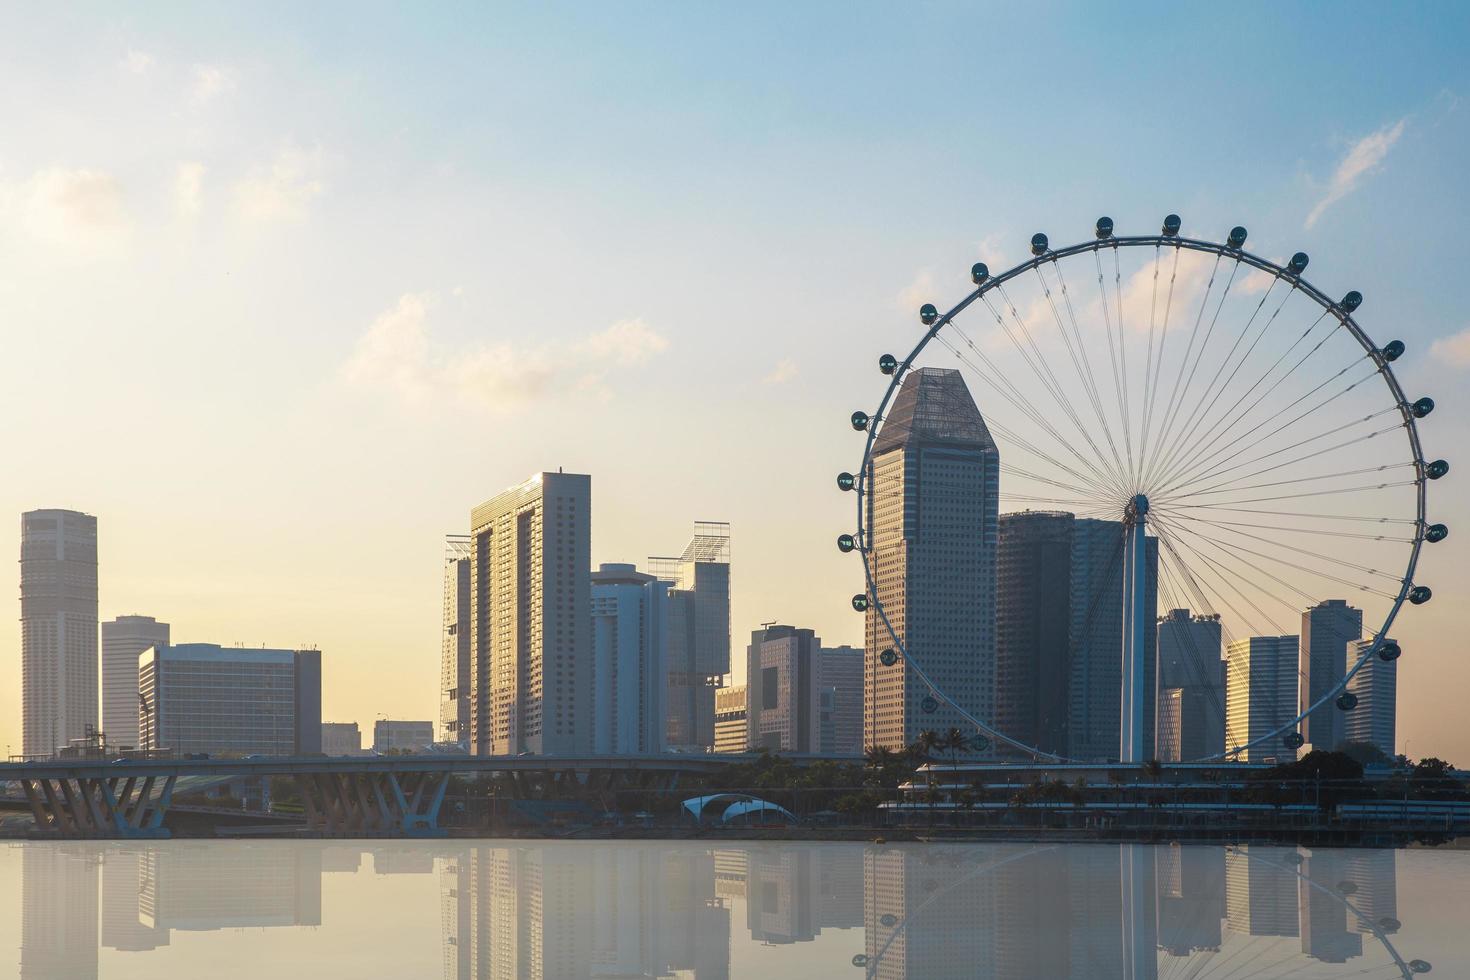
[(231, 255)]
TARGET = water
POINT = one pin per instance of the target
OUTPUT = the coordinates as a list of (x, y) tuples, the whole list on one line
[(695, 910)]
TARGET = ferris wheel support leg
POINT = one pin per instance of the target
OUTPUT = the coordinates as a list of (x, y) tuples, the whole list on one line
[(1135, 695)]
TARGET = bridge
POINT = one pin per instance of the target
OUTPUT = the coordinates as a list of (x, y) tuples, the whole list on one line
[(346, 796)]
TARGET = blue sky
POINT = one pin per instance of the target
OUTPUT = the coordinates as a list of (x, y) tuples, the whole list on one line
[(284, 291)]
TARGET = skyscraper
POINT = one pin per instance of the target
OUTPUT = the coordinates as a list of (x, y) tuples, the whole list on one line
[(782, 664), (531, 619), (1096, 668), (1260, 693), (1033, 604), (122, 640), (1327, 629), (630, 646), (58, 628), (699, 633), (933, 492), (454, 672), (1375, 718), (840, 701), (1191, 687)]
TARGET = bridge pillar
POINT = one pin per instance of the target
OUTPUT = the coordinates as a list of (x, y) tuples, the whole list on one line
[(374, 804), (93, 808)]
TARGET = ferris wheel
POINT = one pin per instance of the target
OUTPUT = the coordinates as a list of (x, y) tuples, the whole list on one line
[(1232, 431)]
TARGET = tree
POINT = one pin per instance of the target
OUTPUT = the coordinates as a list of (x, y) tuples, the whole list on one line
[(1154, 770), (1366, 753), (954, 742)]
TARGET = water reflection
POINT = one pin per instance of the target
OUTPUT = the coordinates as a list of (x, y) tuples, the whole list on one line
[(630, 909)]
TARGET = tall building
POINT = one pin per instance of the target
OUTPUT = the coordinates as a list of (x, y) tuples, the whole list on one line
[(840, 701), (933, 494), (1374, 720), (1327, 630), (781, 703), (1095, 672), (454, 672), (341, 738), (630, 645), (202, 697), (730, 715), (1033, 604), (392, 735), (123, 639), (58, 628), (699, 633), (1192, 687), (531, 619), (1260, 693)]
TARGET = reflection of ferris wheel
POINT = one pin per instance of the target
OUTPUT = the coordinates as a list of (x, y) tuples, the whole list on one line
[(1240, 432)]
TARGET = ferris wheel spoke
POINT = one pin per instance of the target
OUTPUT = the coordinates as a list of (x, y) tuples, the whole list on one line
[(1176, 398), (1203, 564), (1277, 543), (1119, 370), (1336, 491), (1151, 384), (1239, 488), (1183, 442), (1330, 532), (1296, 460)]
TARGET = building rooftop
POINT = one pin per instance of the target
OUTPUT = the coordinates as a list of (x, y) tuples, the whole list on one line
[(934, 405)]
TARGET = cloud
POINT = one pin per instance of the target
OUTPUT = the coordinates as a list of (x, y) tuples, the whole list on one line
[(210, 81), (70, 206), (398, 355), (1454, 349), (285, 190), (784, 371), (1362, 159), (918, 292), (136, 62), (189, 188)]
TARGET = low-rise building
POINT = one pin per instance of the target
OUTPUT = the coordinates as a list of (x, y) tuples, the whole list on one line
[(341, 738), (402, 736)]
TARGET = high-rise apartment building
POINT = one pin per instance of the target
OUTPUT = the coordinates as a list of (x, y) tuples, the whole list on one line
[(58, 628), (1191, 687), (630, 646), (1033, 604), (454, 669), (1375, 717), (1260, 693), (531, 619), (933, 493), (1327, 630), (730, 730), (123, 639), (699, 633), (1096, 669), (202, 697)]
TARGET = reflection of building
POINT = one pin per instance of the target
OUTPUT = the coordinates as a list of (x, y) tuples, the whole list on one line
[(123, 639), (933, 494), (630, 644), (1191, 687), (1326, 923), (341, 738), (1191, 898), (58, 917), (1372, 879), (1260, 693), (1260, 890), (1375, 717), (201, 697), (730, 719), (792, 893), (401, 736), (699, 633), (454, 660), (1327, 630), (58, 628), (531, 619)]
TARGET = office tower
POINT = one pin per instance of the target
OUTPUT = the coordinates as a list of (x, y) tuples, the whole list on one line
[(201, 697), (630, 645), (1375, 717), (1260, 885), (781, 707), (454, 671), (122, 640), (1095, 675), (531, 619), (699, 633), (1192, 687), (341, 738), (840, 701), (401, 736), (933, 489), (1033, 601), (58, 628), (1327, 629), (1260, 694), (730, 715)]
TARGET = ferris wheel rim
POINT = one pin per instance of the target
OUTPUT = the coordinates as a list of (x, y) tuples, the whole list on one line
[(1102, 242)]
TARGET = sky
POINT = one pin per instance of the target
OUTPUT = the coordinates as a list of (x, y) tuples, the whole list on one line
[(286, 290)]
